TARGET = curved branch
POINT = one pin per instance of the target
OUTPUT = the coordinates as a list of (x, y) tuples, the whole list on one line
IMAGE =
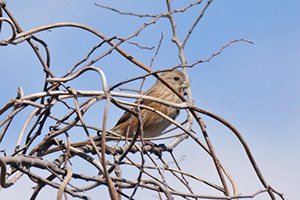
[(3, 182), (243, 142), (13, 29), (64, 183)]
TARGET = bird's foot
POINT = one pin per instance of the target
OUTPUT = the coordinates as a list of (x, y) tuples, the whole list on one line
[(157, 149)]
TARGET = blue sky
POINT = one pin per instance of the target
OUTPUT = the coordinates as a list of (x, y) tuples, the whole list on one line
[(255, 87)]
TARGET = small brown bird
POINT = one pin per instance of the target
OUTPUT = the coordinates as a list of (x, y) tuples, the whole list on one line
[(154, 124)]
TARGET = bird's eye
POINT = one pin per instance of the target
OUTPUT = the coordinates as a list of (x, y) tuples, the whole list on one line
[(176, 78)]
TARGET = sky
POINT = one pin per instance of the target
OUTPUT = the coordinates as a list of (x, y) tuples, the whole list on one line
[(256, 87)]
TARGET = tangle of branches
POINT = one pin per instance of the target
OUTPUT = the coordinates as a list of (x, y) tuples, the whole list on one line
[(46, 140)]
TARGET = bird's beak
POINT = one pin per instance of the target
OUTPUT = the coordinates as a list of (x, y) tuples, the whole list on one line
[(185, 85)]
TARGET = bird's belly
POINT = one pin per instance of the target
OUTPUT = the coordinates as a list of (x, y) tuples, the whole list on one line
[(159, 125), (156, 129)]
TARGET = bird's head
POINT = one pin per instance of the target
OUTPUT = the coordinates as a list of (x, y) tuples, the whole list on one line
[(176, 79)]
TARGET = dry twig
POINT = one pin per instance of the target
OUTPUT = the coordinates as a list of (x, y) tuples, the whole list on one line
[(44, 142)]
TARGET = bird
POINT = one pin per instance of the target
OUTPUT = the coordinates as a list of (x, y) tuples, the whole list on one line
[(154, 124)]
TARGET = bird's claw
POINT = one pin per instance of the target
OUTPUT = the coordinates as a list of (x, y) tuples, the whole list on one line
[(157, 149)]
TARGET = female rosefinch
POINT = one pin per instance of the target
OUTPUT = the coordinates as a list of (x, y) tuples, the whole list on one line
[(154, 124)]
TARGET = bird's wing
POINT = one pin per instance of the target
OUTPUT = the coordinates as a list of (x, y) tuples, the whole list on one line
[(126, 115)]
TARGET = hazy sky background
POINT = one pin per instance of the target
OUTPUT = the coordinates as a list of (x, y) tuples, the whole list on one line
[(255, 87)]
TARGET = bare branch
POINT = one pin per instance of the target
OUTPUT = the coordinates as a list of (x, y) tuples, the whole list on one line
[(68, 134)]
